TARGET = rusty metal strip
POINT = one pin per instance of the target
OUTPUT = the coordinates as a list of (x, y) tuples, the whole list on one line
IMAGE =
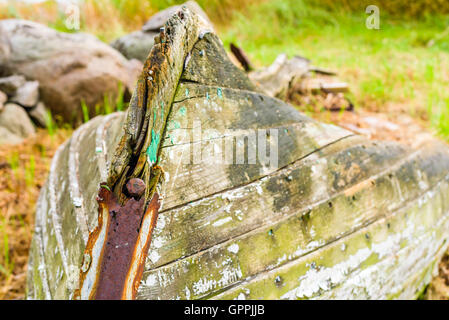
[(141, 248), (117, 248), (115, 254)]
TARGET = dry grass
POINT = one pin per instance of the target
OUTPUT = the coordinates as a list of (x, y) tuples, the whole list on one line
[(99, 17), (108, 19), (439, 287), (23, 171)]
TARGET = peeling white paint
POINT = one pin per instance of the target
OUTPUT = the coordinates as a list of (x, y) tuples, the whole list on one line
[(187, 291), (241, 296), (151, 280), (158, 242), (348, 281), (316, 280), (229, 275), (154, 256), (234, 248), (239, 214), (222, 221)]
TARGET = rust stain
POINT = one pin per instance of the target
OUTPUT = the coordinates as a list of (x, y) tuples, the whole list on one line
[(119, 264), (141, 250), (122, 232), (358, 187), (135, 187)]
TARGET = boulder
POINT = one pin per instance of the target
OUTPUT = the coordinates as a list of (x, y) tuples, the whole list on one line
[(3, 99), (138, 44), (4, 51), (38, 114), (11, 84), (7, 137), (27, 95), (135, 45), (70, 68), (15, 124)]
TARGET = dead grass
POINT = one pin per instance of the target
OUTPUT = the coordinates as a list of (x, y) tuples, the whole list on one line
[(99, 17), (109, 19), (23, 171), (439, 287)]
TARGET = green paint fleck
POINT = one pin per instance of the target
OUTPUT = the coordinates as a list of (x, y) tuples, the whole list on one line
[(182, 111), (187, 92), (207, 96), (286, 130), (170, 137), (172, 125), (105, 186), (152, 148), (220, 93)]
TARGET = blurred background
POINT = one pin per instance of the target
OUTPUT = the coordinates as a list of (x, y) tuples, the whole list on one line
[(394, 57)]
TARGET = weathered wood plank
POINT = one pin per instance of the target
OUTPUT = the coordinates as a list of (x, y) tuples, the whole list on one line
[(213, 219), (150, 106), (63, 281), (292, 236), (204, 124), (373, 263), (88, 160), (208, 63), (37, 285)]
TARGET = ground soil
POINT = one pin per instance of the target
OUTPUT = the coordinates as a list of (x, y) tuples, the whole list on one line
[(23, 171)]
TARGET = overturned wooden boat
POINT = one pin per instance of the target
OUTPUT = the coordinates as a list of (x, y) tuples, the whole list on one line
[(312, 210)]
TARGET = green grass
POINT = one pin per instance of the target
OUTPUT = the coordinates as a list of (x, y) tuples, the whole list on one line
[(120, 103), (86, 111), (13, 162), (30, 169), (50, 124), (7, 266), (402, 64), (391, 66)]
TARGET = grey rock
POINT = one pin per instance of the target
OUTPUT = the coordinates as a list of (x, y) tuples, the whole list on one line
[(27, 95), (9, 85), (4, 51), (158, 20), (135, 45), (138, 44), (7, 137), (3, 99), (70, 67), (38, 114), (15, 120)]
